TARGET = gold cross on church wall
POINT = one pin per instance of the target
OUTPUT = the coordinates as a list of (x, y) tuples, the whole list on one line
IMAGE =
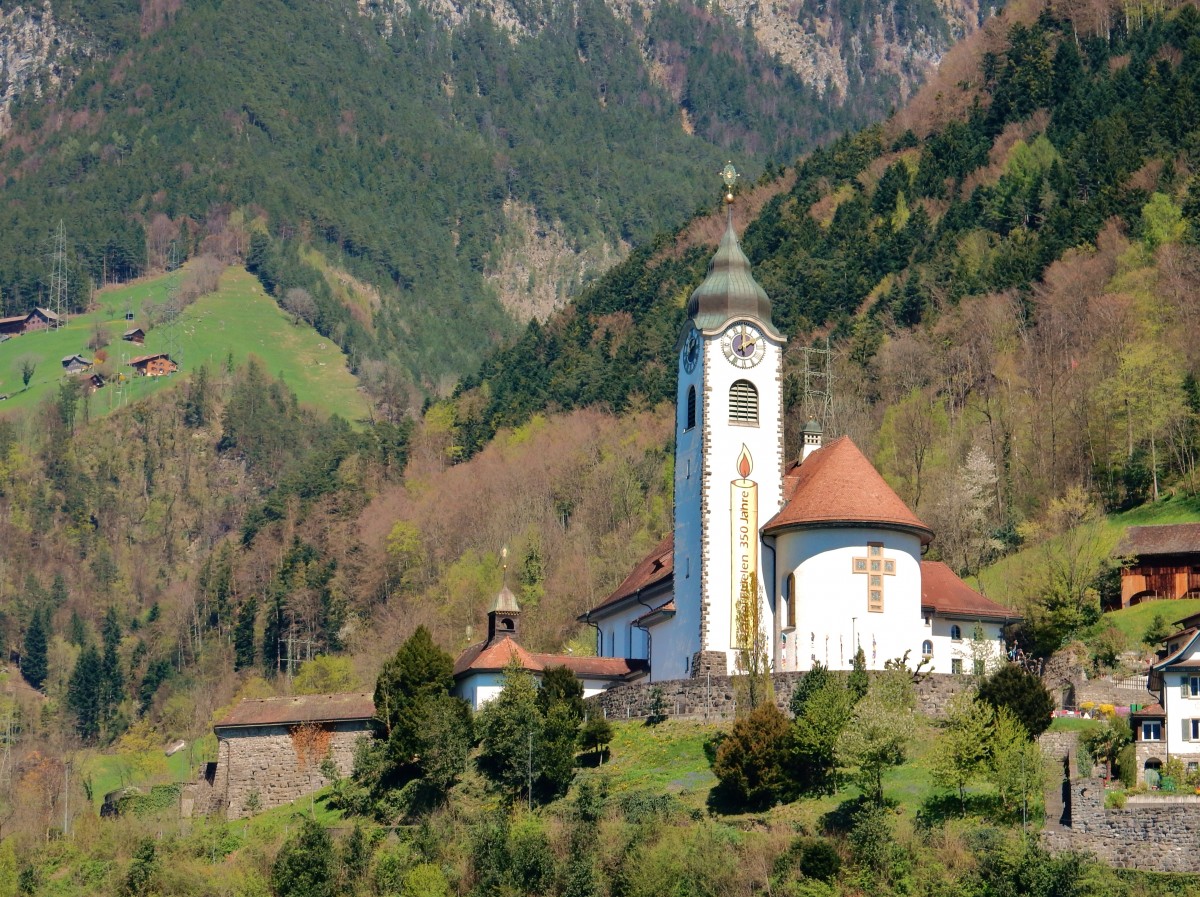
[(875, 566)]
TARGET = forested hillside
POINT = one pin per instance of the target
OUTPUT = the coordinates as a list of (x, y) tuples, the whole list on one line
[(1018, 280), (458, 165)]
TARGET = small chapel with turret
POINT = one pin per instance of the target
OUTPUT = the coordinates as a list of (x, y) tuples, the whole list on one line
[(828, 553)]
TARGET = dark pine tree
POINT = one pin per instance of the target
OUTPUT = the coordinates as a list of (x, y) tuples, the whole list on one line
[(112, 679), (34, 660), (83, 693), (243, 635)]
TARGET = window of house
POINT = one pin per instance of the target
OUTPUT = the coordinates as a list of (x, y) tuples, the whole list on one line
[(791, 601), (956, 632), (956, 666), (1191, 686), (927, 648), (743, 403), (691, 408), (1152, 730), (1191, 730)]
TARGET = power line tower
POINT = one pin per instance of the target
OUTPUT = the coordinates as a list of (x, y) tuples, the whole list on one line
[(58, 277), (817, 372), (171, 310)]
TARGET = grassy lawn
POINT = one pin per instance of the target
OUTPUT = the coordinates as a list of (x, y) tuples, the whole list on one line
[(1133, 621), (109, 772), (238, 320), (1075, 724), (668, 757)]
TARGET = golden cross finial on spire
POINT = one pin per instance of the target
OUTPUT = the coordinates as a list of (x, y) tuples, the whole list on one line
[(730, 176), (504, 564)]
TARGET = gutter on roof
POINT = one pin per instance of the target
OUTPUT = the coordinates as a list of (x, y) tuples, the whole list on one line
[(923, 533)]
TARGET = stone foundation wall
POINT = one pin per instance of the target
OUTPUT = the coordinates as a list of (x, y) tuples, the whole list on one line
[(714, 698), (1151, 833), (278, 763)]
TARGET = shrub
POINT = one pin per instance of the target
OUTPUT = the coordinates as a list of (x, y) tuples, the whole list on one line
[(750, 763), (819, 859), (1127, 765), (1115, 800), (1023, 694)]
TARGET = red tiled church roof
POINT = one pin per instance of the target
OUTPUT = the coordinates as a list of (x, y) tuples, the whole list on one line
[(655, 568), (497, 656), (836, 485), (947, 595)]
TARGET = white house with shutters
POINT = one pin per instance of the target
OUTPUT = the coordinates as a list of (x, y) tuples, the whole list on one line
[(1171, 727)]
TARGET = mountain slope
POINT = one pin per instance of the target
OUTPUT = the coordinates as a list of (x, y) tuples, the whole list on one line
[(396, 139)]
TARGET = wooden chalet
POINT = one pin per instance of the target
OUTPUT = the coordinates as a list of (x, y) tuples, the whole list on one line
[(74, 364), (38, 319), (134, 335), (1165, 563), (156, 365)]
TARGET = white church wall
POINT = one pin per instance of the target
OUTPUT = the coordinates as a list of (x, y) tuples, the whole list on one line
[(764, 442), (947, 648), (831, 609), (479, 688)]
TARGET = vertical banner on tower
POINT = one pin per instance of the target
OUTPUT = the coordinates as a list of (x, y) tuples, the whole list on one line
[(743, 509)]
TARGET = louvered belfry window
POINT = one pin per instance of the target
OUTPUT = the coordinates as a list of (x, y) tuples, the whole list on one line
[(691, 407), (743, 402)]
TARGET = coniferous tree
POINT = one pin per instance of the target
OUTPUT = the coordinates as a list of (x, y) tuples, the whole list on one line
[(243, 635), (112, 679), (83, 693), (58, 591), (859, 682), (272, 650), (35, 657)]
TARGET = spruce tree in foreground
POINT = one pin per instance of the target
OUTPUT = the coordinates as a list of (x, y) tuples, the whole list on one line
[(83, 693)]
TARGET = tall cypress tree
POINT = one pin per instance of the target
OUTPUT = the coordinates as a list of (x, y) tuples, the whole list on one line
[(34, 658), (83, 693), (243, 635)]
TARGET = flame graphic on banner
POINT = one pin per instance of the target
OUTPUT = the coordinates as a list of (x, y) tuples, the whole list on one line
[(744, 464)]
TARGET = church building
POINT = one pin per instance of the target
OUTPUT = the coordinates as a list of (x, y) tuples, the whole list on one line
[(819, 550)]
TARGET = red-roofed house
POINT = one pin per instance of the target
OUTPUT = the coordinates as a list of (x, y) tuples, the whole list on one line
[(479, 670), (824, 551)]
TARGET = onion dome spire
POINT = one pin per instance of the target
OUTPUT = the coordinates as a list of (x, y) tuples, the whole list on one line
[(729, 290)]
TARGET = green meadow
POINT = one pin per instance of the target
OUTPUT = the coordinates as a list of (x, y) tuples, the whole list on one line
[(235, 322)]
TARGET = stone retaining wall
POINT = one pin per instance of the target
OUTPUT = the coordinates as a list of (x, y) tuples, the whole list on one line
[(278, 763), (1152, 833), (714, 698)]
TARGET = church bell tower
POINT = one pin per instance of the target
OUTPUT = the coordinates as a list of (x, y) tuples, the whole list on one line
[(728, 461)]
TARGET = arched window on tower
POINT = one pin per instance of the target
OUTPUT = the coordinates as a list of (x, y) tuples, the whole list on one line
[(743, 403), (691, 408), (956, 633), (927, 648)]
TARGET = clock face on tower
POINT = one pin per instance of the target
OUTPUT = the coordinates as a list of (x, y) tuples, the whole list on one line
[(691, 352), (743, 344)]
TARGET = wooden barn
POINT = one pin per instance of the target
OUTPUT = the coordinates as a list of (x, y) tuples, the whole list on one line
[(13, 326), (134, 335), (40, 319), (1165, 563), (155, 365)]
